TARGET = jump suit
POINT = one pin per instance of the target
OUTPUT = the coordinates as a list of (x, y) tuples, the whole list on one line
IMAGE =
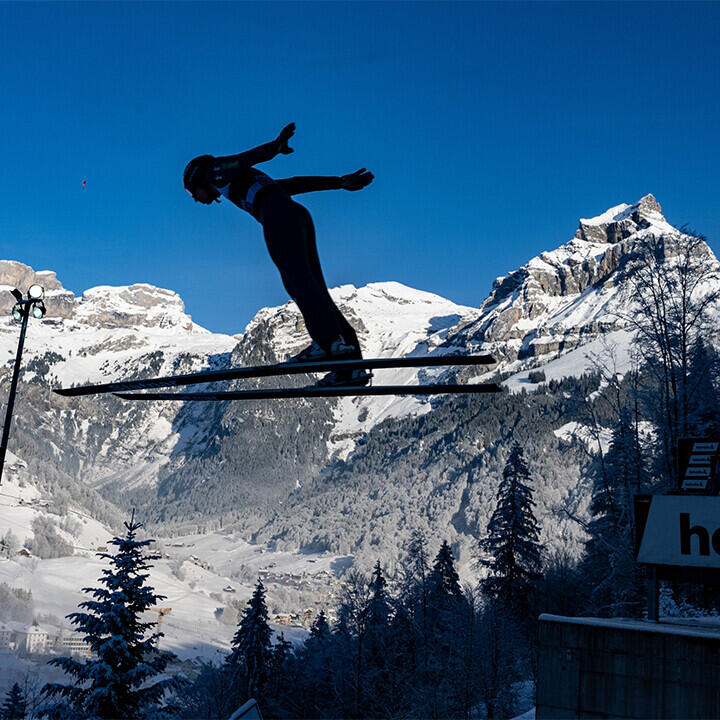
[(290, 238)]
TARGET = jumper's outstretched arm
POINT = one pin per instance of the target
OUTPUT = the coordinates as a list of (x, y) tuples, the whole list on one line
[(227, 168), (297, 185), (353, 181)]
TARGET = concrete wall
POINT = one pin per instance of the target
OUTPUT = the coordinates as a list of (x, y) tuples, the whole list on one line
[(597, 668)]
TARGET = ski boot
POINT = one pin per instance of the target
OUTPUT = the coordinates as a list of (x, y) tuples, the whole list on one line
[(344, 378), (339, 350)]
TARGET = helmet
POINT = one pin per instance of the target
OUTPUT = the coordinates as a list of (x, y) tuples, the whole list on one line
[(195, 176)]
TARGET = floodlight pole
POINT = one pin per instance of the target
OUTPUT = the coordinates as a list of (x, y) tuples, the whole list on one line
[(25, 310)]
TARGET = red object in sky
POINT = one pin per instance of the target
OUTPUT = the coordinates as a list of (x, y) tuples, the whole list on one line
[(83, 183)]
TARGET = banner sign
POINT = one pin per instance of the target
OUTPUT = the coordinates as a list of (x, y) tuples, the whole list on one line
[(679, 530), (698, 465)]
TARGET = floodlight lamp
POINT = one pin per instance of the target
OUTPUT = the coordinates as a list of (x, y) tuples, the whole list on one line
[(38, 310), (35, 292), (17, 315)]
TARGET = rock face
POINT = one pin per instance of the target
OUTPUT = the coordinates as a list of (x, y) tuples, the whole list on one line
[(568, 296), (620, 222), (16, 275), (141, 304), (101, 307)]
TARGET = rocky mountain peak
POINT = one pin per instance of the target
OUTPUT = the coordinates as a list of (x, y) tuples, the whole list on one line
[(15, 274), (620, 222), (103, 306), (571, 295), (132, 305)]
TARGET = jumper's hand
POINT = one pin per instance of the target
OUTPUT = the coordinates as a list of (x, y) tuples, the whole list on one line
[(357, 180), (282, 140)]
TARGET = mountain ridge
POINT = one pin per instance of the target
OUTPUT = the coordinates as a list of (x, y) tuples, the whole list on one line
[(188, 465)]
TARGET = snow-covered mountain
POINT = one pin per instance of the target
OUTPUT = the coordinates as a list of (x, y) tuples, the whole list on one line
[(141, 330), (204, 579), (195, 463), (271, 486), (569, 296), (108, 332)]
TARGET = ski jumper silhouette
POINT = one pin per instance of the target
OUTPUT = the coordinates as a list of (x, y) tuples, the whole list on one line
[(290, 238)]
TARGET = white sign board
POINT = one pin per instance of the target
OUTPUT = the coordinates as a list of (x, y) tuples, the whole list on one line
[(682, 530)]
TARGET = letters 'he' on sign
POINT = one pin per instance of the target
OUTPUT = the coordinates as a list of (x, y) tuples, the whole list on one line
[(678, 530)]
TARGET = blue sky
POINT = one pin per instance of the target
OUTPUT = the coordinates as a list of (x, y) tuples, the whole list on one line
[(490, 128)]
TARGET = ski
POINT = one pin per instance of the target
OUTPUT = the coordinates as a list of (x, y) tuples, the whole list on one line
[(285, 368), (312, 392)]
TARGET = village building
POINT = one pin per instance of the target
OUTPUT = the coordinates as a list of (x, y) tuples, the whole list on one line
[(34, 640), (8, 635), (72, 643)]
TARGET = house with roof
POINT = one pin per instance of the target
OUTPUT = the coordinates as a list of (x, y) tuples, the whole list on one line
[(35, 639)]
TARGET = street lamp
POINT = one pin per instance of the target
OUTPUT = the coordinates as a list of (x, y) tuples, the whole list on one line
[(21, 312)]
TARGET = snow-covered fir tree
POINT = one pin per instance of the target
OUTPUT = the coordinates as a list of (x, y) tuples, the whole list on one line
[(278, 692), (320, 629), (314, 689), (615, 583), (117, 682), (14, 707), (412, 622), (379, 608), (251, 656), (704, 391), (448, 613), (511, 550), (378, 648), (444, 580), (281, 651)]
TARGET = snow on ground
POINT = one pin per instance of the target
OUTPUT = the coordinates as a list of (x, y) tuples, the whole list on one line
[(398, 321), (109, 328), (194, 573), (94, 354), (21, 502), (191, 629), (226, 553), (595, 442), (612, 350)]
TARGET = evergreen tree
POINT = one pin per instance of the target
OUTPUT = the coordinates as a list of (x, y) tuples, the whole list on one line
[(406, 667), (447, 617), (615, 584), (444, 581), (412, 622), (379, 609), (511, 551), (251, 655), (14, 706), (278, 693), (116, 682), (500, 647), (380, 691), (704, 391), (281, 651), (320, 629), (349, 641), (314, 690), (208, 696)]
